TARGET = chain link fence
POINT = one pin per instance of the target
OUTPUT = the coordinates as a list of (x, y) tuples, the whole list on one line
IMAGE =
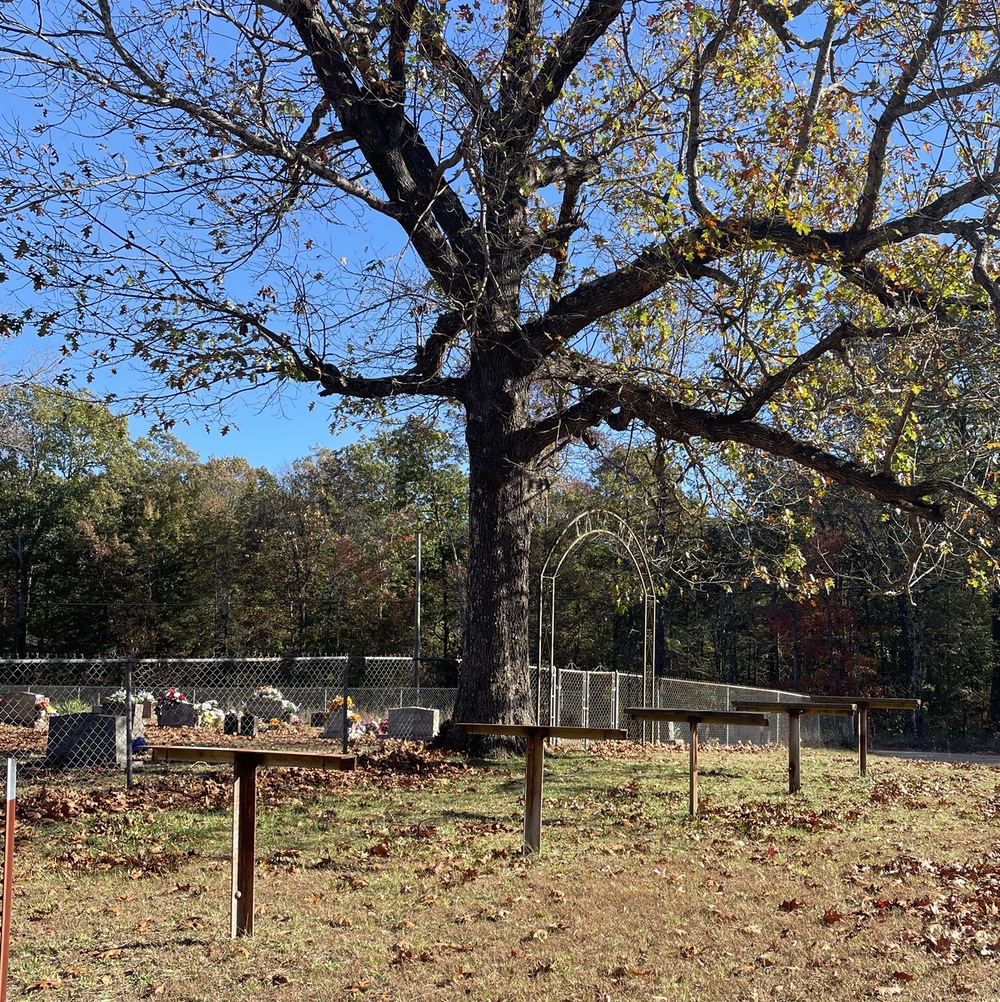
[(68, 715), (815, 730)]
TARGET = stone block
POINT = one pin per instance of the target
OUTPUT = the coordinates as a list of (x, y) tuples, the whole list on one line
[(19, 708), (231, 723), (414, 723), (248, 726), (118, 710), (170, 714), (268, 709), (334, 726), (86, 739)]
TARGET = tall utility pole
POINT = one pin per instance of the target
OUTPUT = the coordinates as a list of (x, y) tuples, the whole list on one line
[(416, 620)]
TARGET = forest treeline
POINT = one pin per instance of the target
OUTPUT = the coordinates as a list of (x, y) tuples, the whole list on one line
[(115, 545)]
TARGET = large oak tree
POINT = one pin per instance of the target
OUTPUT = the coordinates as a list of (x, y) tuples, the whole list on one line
[(689, 216)]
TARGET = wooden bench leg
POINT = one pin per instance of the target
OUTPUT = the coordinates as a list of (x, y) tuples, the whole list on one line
[(244, 844), (534, 758), (794, 752), (863, 740), (693, 769)]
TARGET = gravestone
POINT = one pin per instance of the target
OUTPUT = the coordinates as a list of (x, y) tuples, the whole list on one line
[(334, 726), (414, 723), (248, 726), (318, 718), (19, 708), (268, 709), (169, 714), (118, 710), (85, 739), (231, 723)]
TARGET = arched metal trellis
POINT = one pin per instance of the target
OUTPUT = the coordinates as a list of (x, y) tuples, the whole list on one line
[(580, 529)]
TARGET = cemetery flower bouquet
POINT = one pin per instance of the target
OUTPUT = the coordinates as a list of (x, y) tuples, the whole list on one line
[(116, 700), (272, 692), (172, 696), (336, 705), (210, 714), (368, 728)]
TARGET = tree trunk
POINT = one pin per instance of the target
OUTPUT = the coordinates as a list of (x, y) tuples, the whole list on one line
[(994, 719), (494, 683)]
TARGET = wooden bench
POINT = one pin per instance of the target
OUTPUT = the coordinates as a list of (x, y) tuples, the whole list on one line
[(693, 718), (864, 704), (245, 762), (795, 712), (534, 737)]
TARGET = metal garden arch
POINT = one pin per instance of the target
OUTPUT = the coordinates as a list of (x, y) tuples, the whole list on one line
[(583, 527)]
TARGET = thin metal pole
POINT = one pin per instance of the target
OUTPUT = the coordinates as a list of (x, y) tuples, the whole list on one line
[(8, 876), (416, 618), (343, 708), (128, 723)]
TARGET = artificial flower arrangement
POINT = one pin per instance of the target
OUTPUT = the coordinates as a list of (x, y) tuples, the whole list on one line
[(272, 694), (210, 714), (117, 699), (369, 728), (172, 696), (44, 708), (336, 706)]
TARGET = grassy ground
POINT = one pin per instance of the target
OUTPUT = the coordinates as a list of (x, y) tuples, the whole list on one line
[(404, 881)]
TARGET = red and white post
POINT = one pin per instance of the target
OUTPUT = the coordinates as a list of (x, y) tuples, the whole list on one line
[(8, 875)]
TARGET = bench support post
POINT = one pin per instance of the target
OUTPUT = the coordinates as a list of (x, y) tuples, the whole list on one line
[(862, 739), (533, 762), (693, 768), (244, 843), (794, 751)]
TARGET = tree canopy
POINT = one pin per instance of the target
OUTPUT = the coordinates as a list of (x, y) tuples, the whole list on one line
[(738, 224)]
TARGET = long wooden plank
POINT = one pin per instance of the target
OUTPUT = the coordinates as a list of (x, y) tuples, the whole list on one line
[(329, 761), (684, 715), (817, 709), (545, 732), (872, 702)]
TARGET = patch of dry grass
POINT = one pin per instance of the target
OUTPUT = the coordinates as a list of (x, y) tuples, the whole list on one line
[(404, 881)]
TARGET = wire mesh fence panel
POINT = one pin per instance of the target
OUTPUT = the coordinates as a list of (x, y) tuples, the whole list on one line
[(815, 730), (65, 715), (602, 699), (61, 716), (570, 707)]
